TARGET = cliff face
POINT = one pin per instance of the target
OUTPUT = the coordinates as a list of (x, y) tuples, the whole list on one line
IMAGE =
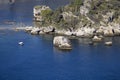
[(82, 16)]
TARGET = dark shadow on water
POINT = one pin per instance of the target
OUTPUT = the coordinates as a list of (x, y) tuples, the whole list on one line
[(57, 50)]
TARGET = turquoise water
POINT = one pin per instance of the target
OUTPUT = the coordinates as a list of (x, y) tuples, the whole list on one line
[(39, 60)]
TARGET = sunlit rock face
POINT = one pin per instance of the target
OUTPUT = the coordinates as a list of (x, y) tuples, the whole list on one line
[(37, 12), (62, 42)]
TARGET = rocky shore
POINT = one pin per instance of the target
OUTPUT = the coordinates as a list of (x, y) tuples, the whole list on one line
[(86, 23), (81, 18), (86, 32)]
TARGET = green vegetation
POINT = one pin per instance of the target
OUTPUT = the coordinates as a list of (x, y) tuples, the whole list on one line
[(57, 17), (102, 7), (47, 15), (97, 8), (75, 5), (76, 2)]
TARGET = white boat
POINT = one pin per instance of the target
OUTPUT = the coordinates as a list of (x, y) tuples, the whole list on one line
[(21, 43)]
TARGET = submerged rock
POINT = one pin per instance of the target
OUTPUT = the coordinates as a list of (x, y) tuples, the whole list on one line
[(96, 39), (108, 43), (62, 42), (100, 31)]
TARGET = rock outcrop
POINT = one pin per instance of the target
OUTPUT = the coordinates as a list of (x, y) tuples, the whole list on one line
[(37, 12), (96, 39), (93, 19), (62, 42), (35, 31), (85, 18), (85, 32)]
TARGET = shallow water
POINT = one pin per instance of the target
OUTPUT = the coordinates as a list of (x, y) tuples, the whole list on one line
[(39, 60)]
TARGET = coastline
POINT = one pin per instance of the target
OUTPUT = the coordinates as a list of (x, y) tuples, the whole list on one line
[(81, 20)]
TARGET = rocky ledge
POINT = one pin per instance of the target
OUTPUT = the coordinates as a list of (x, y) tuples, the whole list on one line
[(85, 32)]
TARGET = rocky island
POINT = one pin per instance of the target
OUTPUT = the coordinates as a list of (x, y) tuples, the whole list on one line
[(93, 19), (82, 18)]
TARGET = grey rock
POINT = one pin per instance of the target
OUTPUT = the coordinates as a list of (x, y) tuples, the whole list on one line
[(108, 33), (62, 42), (96, 39), (108, 43), (35, 31)]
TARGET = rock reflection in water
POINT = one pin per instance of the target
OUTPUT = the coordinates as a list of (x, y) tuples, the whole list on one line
[(84, 40)]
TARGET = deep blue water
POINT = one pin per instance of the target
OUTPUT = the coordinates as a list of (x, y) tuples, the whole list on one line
[(39, 60)]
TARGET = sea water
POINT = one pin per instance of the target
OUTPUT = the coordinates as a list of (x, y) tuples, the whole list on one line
[(37, 59)]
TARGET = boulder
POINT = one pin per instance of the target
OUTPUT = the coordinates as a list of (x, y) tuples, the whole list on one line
[(108, 43), (41, 32), (35, 31), (68, 33), (96, 39), (79, 33), (108, 33), (116, 32), (49, 29), (101, 36), (62, 42), (85, 32), (99, 31), (60, 32)]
